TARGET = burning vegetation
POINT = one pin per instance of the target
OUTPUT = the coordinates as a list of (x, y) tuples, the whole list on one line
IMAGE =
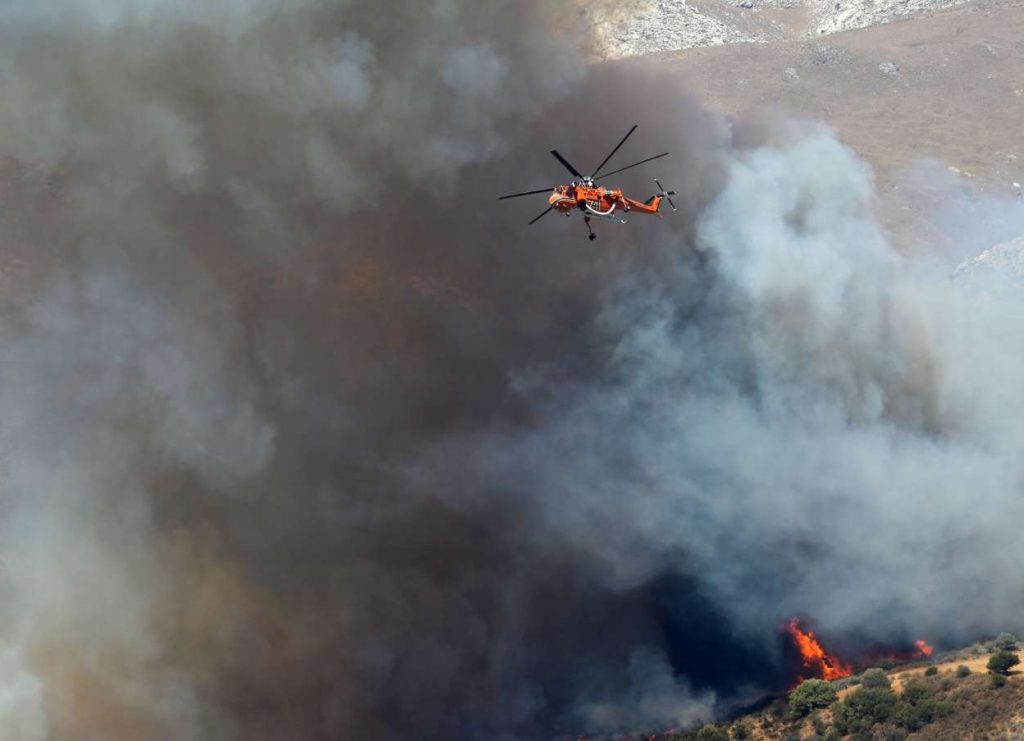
[(829, 666), (814, 656)]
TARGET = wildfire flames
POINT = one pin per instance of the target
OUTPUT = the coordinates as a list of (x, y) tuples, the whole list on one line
[(829, 666), (814, 656)]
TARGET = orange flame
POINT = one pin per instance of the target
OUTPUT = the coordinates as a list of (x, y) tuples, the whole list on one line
[(814, 655), (922, 650)]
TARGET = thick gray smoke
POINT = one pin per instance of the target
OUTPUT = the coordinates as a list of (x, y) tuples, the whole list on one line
[(305, 437)]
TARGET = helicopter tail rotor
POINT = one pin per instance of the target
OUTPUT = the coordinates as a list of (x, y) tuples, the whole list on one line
[(666, 194)]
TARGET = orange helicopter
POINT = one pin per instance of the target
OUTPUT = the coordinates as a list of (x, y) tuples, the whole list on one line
[(582, 194)]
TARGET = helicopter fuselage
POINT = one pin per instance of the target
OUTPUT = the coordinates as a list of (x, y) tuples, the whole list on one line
[(597, 202)]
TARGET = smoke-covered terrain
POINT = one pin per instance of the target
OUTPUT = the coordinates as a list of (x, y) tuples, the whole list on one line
[(305, 436)]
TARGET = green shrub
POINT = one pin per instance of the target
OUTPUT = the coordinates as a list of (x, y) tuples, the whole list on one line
[(917, 708), (1002, 661), (997, 680), (931, 671), (712, 733), (1002, 642), (865, 707), (875, 678), (831, 735), (963, 671), (742, 729), (810, 695), (915, 692)]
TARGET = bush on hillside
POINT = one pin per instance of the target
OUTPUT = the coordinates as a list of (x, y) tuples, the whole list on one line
[(1002, 661), (963, 671), (742, 729), (931, 671), (712, 733), (875, 679), (998, 680), (917, 707), (1002, 642), (810, 695), (915, 692), (862, 709)]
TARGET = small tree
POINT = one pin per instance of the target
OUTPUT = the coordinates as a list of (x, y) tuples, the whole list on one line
[(810, 695), (875, 679), (931, 671), (963, 671), (1002, 661)]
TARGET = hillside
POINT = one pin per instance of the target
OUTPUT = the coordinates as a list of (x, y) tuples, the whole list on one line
[(953, 698), (646, 26), (933, 104)]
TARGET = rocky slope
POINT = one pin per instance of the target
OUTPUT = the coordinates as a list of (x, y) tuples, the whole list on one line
[(626, 29), (933, 104), (1002, 265)]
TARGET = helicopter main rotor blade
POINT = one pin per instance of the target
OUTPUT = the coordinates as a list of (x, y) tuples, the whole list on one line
[(527, 193), (605, 161), (542, 215), (641, 162), (566, 163)]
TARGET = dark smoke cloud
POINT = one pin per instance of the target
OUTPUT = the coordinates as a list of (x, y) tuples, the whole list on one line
[(306, 437)]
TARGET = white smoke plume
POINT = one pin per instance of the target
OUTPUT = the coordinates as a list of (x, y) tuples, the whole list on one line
[(831, 433), (305, 438)]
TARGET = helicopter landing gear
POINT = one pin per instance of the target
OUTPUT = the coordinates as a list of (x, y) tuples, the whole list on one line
[(590, 232)]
